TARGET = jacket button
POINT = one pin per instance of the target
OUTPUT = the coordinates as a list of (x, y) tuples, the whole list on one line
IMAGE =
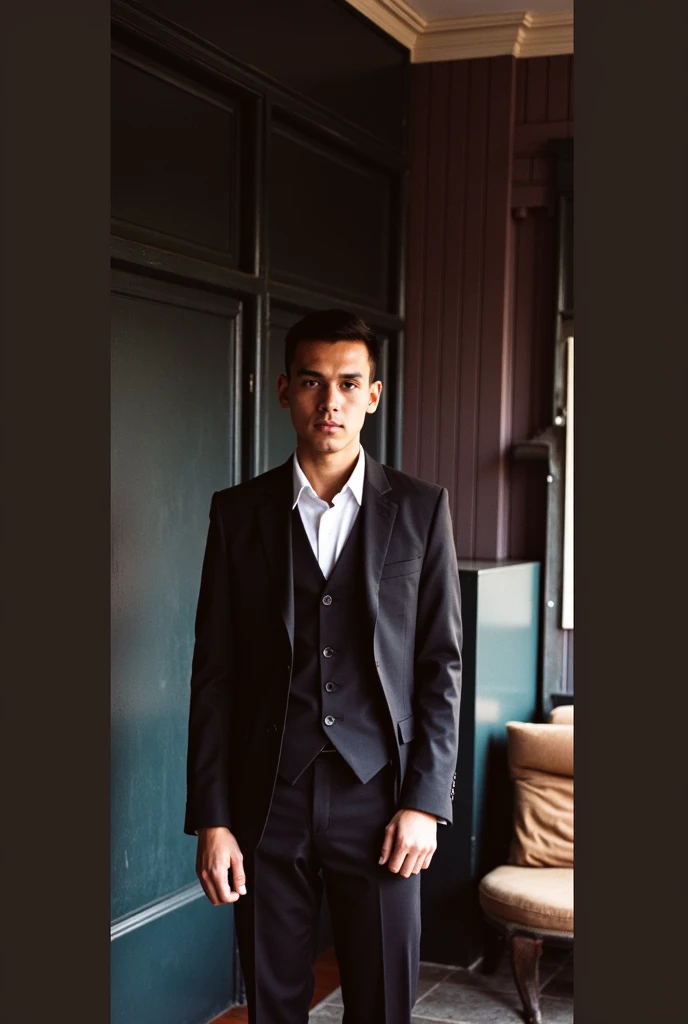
[(330, 687), (329, 720), (328, 652), (327, 599)]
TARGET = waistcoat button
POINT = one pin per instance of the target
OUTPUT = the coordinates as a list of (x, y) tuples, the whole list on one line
[(330, 687), (329, 720), (328, 652), (327, 599)]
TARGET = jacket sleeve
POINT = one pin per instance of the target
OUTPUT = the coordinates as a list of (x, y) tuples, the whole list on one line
[(430, 775), (207, 774)]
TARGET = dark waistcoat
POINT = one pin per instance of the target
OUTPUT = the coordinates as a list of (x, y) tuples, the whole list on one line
[(335, 696)]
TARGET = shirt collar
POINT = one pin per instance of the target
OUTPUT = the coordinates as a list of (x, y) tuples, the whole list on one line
[(354, 483)]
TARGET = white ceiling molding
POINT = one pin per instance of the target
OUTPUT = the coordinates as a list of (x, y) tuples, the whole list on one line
[(521, 34), (394, 16)]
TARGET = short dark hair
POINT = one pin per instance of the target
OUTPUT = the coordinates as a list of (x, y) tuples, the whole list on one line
[(331, 325)]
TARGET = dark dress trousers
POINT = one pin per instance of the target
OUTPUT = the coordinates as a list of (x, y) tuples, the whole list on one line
[(319, 708)]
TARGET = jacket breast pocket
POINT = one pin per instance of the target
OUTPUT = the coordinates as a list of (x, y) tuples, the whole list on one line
[(406, 729), (403, 568)]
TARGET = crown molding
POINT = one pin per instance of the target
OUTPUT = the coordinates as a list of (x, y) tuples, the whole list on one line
[(520, 34), (395, 17)]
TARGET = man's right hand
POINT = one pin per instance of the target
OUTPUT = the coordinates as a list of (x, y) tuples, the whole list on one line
[(218, 852)]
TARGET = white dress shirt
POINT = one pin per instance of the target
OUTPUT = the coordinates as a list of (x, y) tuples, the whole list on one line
[(328, 527)]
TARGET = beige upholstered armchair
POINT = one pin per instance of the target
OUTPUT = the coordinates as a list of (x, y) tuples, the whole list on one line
[(530, 899)]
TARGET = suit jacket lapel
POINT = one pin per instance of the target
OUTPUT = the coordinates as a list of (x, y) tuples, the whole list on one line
[(274, 518), (378, 513)]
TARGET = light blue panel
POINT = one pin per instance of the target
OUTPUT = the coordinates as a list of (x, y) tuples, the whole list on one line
[(506, 669), (500, 670)]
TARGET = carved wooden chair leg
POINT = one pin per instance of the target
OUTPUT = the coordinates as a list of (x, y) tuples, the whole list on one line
[(525, 960), (495, 944)]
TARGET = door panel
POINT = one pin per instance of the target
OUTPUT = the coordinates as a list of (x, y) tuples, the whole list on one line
[(173, 444)]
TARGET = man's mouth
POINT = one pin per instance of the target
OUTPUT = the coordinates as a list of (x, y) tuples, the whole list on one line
[(327, 426)]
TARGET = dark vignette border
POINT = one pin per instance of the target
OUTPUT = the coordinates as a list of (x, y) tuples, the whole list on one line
[(56, 485), (630, 510), (631, 340)]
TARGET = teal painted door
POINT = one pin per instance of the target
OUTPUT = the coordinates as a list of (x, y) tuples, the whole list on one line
[(174, 441)]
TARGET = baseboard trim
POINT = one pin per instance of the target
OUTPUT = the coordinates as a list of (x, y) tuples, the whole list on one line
[(152, 911)]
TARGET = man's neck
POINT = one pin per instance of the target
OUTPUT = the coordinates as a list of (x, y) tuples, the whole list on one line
[(327, 472)]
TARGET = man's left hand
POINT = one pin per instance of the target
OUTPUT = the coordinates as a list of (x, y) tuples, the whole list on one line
[(410, 841)]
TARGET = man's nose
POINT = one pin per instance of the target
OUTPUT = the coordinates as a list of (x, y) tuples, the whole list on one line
[(329, 398)]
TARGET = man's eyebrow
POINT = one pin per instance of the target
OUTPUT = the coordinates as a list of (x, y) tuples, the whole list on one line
[(316, 373)]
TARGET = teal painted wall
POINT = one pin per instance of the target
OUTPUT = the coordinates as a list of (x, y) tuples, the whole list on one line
[(171, 448), (506, 690), (500, 671)]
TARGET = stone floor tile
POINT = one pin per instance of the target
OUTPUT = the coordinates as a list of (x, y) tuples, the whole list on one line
[(434, 972), (560, 985), (502, 981), (458, 996), (334, 999), (556, 1011), (462, 1003), (324, 1014)]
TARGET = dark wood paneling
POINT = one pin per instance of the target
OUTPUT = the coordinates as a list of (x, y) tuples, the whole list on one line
[(174, 163), (537, 78), (329, 220), (558, 89), (533, 345), (495, 336), (457, 346), (453, 373), (323, 50), (544, 111), (481, 284)]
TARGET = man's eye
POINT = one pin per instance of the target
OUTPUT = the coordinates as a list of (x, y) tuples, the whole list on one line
[(348, 384)]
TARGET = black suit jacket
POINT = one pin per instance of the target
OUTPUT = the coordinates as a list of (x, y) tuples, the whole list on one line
[(244, 635)]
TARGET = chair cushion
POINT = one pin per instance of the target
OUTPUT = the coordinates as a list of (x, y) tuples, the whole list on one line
[(539, 898), (546, 748), (562, 715), (541, 764)]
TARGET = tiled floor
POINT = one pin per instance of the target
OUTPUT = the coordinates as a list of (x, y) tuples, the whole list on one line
[(451, 995)]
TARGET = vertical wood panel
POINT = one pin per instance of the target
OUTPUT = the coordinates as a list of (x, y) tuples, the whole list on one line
[(521, 76), (558, 89), (481, 291), (495, 350), (471, 288), (536, 90), (418, 191), (454, 263), (571, 91), (436, 226)]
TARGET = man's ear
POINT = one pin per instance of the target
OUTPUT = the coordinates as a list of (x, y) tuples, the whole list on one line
[(283, 391)]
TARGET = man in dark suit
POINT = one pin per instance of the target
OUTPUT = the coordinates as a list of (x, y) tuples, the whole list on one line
[(325, 691)]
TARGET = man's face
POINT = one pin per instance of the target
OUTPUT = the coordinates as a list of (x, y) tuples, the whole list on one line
[(329, 393)]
